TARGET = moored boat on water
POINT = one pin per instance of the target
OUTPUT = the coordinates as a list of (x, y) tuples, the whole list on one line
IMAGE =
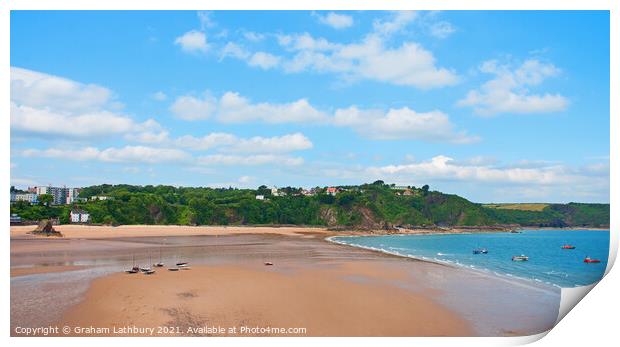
[(568, 247), (480, 251), (520, 258), (590, 260)]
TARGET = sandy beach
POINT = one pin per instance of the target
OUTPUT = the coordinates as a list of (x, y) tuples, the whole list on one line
[(314, 286)]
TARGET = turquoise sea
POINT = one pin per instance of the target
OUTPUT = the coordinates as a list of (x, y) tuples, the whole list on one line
[(548, 263)]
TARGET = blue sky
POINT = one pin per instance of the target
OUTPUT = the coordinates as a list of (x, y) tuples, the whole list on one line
[(506, 106)]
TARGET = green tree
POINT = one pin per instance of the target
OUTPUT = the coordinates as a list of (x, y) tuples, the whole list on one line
[(45, 199), (425, 189)]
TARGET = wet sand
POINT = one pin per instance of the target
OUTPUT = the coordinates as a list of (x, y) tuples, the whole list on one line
[(328, 289), (322, 302)]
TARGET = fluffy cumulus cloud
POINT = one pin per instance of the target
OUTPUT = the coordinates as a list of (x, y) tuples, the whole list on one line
[(189, 107), (393, 124), (373, 57), (509, 90), (441, 29), (336, 20), (192, 41), (127, 154), (234, 108), (443, 167), (276, 144), (408, 64), (264, 60), (49, 105), (397, 21), (40, 90), (402, 123), (230, 143)]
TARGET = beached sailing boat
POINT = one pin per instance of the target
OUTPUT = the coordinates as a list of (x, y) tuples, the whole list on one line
[(148, 268), (159, 264), (134, 269)]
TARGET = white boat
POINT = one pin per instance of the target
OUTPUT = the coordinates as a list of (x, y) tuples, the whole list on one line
[(160, 263), (520, 258), (134, 269)]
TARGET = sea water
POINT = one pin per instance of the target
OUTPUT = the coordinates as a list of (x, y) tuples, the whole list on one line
[(548, 263)]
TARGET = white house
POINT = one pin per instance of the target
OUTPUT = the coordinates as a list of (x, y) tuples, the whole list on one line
[(331, 190), (99, 197), (260, 197), (274, 191), (79, 216)]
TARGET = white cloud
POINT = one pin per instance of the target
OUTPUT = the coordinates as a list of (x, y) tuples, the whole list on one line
[(127, 154), (194, 108), (226, 142), (206, 142), (276, 144), (40, 90), (408, 65), (47, 122), (234, 50), (336, 20), (396, 22), (445, 168), (264, 60), (508, 91), (58, 107), (205, 19), (253, 36), (442, 29), (403, 123), (192, 41), (372, 58), (250, 160), (234, 108), (159, 96)]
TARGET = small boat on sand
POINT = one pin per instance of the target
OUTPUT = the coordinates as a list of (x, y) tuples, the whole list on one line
[(173, 269), (160, 263), (520, 258), (182, 263), (590, 260), (568, 247), (480, 251), (149, 272), (268, 263), (134, 269)]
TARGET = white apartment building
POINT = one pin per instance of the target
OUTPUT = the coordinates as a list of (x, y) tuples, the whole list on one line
[(61, 195), (29, 197)]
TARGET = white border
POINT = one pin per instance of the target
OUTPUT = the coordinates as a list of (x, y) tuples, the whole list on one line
[(592, 323)]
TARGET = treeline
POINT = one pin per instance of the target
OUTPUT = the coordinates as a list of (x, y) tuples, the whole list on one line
[(368, 206)]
